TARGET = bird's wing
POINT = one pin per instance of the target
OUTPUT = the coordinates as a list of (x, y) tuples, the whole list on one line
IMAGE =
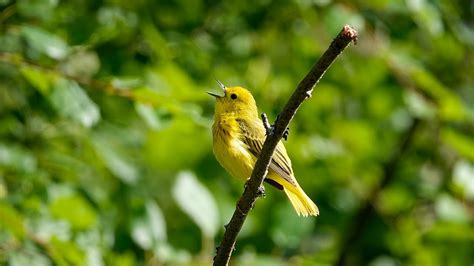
[(253, 135)]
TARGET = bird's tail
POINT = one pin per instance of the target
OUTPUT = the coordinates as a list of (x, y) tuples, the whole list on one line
[(303, 205)]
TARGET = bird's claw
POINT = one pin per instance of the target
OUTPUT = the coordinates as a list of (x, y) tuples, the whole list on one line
[(261, 191), (286, 133), (270, 130)]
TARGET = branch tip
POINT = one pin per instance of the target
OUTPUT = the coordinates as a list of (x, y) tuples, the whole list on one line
[(350, 33), (274, 134)]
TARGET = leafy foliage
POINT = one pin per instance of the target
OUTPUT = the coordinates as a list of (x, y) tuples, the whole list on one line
[(106, 152)]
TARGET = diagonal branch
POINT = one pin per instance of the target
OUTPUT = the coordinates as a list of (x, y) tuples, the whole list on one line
[(302, 92)]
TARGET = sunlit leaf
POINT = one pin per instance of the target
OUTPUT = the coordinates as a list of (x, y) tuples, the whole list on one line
[(450, 209), (70, 100), (426, 15), (82, 64), (395, 199), (463, 175), (463, 144), (419, 106), (74, 209), (17, 158), (41, 80), (196, 201), (37, 9), (448, 231), (45, 42), (168, 254), (253, 258), (66, 253), (384, 261), (11, 220), (115, 160), (46, 228), (156, 220), (29, 257), (94, 256), (150, 116), (121, 259), (150, 229)]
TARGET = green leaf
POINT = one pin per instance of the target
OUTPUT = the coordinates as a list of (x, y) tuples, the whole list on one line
[(463, 144), (288, 230), (39, 79), (357, 136), (463, 176), (74, 209), (172, 256), (47, 227), (451, 232), (115, 160), (196, 201), (11, 220), (395, 199), (427, 16), (45, 42), (43, 9), (70, 100), (82, 64), (419, 106), (66, 253), (384, 260), (450, 209), (188, 142), (150, 116), (150, 229), (449, 105), (121, 259), (28, 257), (17, 158)]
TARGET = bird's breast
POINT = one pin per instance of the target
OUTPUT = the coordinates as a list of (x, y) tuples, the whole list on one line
[(229, 150)]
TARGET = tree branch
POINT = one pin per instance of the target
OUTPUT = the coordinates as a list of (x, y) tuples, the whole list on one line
[(302, 92)]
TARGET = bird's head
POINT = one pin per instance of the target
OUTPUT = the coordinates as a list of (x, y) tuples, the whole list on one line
[(235, 99)]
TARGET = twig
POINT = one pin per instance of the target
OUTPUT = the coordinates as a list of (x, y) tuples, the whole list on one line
[(367, 210), (302, 92)]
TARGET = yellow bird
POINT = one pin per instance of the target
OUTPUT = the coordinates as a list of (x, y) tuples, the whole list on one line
[(238, 136)]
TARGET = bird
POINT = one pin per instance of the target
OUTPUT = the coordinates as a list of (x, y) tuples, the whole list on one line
[(238, 136)]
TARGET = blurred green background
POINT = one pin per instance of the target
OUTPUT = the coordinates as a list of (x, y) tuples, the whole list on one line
[(105, 144)]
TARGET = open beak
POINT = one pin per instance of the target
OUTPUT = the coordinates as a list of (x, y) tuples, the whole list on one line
[(222, 87), (215, 95)]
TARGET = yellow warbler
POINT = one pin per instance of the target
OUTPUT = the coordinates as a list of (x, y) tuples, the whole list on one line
[(238, 136)]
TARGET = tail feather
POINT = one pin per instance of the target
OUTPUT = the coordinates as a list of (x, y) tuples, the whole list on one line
[(303, 205)]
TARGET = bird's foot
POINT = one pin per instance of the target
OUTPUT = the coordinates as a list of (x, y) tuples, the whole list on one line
[(286, 133), (261, 191), (269, 129)]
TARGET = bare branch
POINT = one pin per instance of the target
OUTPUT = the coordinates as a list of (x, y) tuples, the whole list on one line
[(302, 92)]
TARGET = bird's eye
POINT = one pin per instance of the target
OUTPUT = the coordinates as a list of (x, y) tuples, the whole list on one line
[(233, 96)]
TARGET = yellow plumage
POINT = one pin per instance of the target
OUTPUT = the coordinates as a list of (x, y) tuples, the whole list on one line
[(238, 136)]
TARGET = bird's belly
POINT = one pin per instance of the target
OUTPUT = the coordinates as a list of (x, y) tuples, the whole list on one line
[(234, 157)]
